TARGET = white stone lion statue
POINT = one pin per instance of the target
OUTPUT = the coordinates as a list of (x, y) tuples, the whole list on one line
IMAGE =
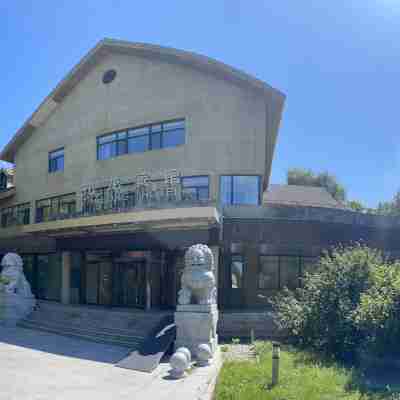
[(198, 280), (14, 276)]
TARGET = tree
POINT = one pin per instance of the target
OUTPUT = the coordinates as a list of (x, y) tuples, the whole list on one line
[(356, 206), (391, 208), (303, 177)]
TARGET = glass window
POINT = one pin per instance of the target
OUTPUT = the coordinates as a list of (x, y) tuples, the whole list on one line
[(55, 208), (29, 272), (3, 180), (138, 140), (49, 277), (240, 190), (16, 215), (138, 144), (237, 271), (268, 275), (195, 188), (155, 141), (289, 271), (56, 160)]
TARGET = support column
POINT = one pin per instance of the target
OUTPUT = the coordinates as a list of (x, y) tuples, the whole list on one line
[(148, 281), (66, 261), (215, 251)]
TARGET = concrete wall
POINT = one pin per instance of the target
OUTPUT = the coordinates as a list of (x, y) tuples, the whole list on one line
[(226, 127)]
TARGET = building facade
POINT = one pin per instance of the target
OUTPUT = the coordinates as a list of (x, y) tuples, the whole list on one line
[(130, 160)]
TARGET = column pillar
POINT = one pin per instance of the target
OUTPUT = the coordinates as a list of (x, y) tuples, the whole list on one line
[(148, 281), (66, 261), (215, 251)]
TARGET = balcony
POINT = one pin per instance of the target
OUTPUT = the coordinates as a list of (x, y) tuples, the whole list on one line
[(167, 216)]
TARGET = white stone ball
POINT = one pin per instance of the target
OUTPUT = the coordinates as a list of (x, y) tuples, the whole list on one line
[(179, 363), (185, 351), (204, 354)]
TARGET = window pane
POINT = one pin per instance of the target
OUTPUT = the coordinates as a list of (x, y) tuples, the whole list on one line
[(156, 141), (107, 139), (122, 147), (138, 144), (226, 190), (189, 194), (28, 270), (237, 270), (268, 277), (60, 164), (156, 128), (56, 154), (107, 151), (174, 125), (139, 131), (121, 135), (289, 271), (246, 190), (195, 181), (174, 138), (203, 194)]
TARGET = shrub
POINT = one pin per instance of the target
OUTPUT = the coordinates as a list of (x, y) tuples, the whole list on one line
[(378, 314), (320, 314)]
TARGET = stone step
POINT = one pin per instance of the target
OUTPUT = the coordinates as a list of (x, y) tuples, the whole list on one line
[(139, 326), (81, 335), (123, 334)]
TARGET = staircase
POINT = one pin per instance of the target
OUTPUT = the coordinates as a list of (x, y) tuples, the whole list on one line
[(122, 327)]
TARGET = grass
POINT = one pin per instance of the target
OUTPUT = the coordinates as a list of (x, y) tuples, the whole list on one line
[(302, 377)]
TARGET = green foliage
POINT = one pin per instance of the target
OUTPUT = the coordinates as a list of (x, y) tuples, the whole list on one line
[(356, 206), (302, 177), (320, 314), (391, 208), (300, 379), (378, 315)]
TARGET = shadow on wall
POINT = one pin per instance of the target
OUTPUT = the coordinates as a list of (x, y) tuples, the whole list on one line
[(62, 346)]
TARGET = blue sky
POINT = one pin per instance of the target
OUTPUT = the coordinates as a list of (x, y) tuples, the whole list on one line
[(338, 62)]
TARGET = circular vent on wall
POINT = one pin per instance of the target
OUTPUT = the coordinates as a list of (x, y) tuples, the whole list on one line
[(109, 76)]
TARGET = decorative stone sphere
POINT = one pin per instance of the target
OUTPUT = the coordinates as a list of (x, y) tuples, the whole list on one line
[(185, 351), (204, 354), (179, 364)]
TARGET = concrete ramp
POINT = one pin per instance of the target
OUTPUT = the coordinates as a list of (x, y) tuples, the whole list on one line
[(148, 356)]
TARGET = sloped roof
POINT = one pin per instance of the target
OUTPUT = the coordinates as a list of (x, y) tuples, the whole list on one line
[(109, 46), (293, 195)]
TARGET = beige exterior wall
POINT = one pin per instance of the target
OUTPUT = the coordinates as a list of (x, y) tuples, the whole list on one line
[(228, 127)]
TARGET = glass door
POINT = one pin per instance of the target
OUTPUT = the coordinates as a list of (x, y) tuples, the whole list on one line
[(105, 283), (237, 271), (130, 285)]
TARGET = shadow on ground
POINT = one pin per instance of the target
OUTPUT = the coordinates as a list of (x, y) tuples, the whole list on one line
[(63, 346)]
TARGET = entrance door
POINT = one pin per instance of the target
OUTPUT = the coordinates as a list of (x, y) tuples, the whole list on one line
[(105, 283), (131, 277)]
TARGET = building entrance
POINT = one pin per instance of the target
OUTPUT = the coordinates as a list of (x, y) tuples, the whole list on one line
[(115, 280)]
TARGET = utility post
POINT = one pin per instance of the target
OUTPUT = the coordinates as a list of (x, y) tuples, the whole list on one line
[(276, 354)]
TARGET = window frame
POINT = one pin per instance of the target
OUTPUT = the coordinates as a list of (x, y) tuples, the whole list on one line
[(50, 207), (51, 170), (300, 259), (243, 260), (232, 176), (198, 187), (149, 134), (20, 214)]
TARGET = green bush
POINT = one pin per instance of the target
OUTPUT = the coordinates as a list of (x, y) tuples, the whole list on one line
[(378, 314), (321, 313)]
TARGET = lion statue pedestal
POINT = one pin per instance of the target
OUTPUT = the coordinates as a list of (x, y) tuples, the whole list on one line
[(196, 315), (16, 298)]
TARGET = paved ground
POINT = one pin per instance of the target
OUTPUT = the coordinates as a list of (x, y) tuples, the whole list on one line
[(41, 366)]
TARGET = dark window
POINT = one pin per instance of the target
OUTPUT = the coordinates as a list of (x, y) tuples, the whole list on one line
[(3, 180), (268, 276), (49, 277), (16, 215), (240, 190), (195, 188), (237, 271), (56, 160), (56, 208), (278, 271), (141, 139)]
